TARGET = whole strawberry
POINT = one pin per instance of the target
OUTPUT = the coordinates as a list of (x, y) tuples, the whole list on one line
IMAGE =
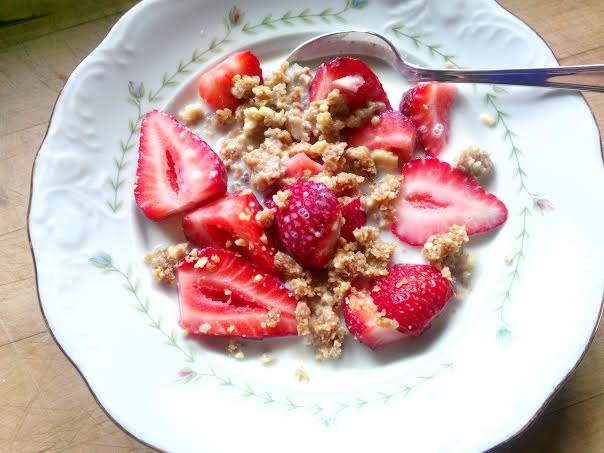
[(412, 295), (308, 220)]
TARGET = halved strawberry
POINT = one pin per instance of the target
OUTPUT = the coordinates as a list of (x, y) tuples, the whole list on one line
[(222, 294), (231, 222), (366, 324), (177, 171), (436, 196), (301, 165), (309, 224), (353, 78), (429, 107), (395, 132), (355, 217), (215, 84), (412, 295)]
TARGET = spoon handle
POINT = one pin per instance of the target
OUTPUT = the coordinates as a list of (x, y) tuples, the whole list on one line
[(587, 77)]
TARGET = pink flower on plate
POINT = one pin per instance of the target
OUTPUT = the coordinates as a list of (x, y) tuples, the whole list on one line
[(235, 16), (542, 205), (185, 374)]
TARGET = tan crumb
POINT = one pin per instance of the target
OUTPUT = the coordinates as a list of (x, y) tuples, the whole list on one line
[(383, 196), (231, 329), (257, 278), (245, 217), (281, 197), (235, 350), (265, 218), (164, 262), (474, 162), (205, 327), (384, 160), (223, 117), (273, 318), (488, 120), (201, 263), (266, 359), (239, 242), (342, 184), (191, 114), (243, 87), (362, 115), (446, 253), (301, 375), (509, 259)]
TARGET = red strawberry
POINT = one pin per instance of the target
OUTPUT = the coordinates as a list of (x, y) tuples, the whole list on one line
[(228, 296), (300, 164), (412, 295), (215, 84), (309, 226), (231, 222), (355, 217), (395, 132), (434, 196), (429, 106), (366, 324), (353, 78), (177, 171)]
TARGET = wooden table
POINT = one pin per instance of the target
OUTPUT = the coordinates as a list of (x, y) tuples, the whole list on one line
[(44, 404)]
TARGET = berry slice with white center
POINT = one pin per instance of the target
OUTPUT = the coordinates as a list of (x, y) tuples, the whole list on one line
[(177, 171), (394, 132), (215, 84), (429, 107), (222, 294), (355, 80), (230, 222), (436, 196)]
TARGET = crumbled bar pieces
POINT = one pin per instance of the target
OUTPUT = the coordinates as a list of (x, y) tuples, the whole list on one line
[(301, 375), (234, 349), (446, 253), (191, 114), (382, 198), (164, 262), (488, 120), (384, 160), (474, 162), (266, 359)]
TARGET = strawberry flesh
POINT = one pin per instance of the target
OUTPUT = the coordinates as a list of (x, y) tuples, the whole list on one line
[(394, 132), (231, 222), (429, 107), (355, 217), (436, 196), (215, 84), (230, 297), (309, 226), (363, 321), (355, 80), (301, 165), (177, 171)]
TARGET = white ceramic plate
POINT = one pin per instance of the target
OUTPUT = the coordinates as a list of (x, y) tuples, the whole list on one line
[(475, 379)]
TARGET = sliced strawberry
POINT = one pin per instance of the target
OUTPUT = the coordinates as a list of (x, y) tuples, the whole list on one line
[(215, 84), (353, 78), (309, 226), (412, 295), (435, 196), (301, 165), (231, 222), (177, 171), (355, 217), (395, 132), (222, 294), (366, 324), (429, 107)]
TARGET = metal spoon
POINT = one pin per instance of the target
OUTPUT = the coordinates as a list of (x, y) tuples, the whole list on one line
[(369, 44)]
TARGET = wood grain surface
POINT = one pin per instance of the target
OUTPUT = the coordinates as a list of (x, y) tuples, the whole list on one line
[(44, 403)]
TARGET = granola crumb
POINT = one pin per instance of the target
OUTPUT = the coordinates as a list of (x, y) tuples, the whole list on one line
[(164, 262), (235, 350), (204, 328), (191, 114), (281, 197), (266, 359), (382, 198), (446, 253), (223, 117), (474, 162), (488, 120), (273, 318), (243, 87), (384, 160), (265, 218), (509, 259), (301, 375), (257, 278)]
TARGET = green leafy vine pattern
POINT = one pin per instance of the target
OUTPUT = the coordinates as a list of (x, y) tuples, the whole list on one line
[(144, 99), (533, 202), (326, 413)]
